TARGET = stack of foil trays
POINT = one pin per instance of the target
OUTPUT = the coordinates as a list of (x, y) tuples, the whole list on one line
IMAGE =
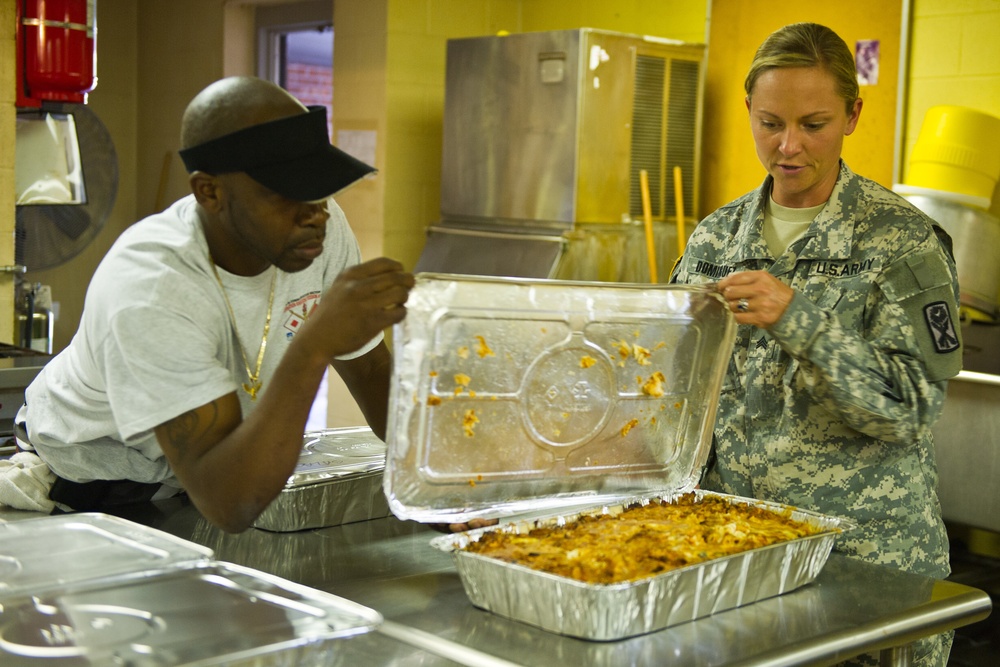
[(338, 480), (545, 399)]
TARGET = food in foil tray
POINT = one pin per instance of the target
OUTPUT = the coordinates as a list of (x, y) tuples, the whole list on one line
[(719, 552), (644, 540)]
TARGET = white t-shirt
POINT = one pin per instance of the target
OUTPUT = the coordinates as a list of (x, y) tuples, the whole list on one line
[(156, 340)]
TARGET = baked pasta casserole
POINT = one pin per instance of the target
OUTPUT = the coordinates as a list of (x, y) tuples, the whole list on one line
[(643, 540)]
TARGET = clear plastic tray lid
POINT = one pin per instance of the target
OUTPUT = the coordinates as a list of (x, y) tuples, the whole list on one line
[(41, 553), (511, 395), (210, 613)]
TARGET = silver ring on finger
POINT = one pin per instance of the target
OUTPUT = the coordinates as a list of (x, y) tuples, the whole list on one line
[(743, 305)]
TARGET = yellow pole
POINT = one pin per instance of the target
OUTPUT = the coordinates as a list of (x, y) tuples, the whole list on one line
[(679, 205), (647, 215)]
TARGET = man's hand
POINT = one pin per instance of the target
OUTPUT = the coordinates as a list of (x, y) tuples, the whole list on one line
[(363, 300)]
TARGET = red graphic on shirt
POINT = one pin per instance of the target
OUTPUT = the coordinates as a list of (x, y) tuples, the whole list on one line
[(298, 311)]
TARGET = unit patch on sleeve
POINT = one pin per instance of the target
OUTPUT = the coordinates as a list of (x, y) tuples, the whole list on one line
[(941, 327)]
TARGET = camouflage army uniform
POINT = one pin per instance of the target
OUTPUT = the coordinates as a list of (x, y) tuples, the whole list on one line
[(831, 409)]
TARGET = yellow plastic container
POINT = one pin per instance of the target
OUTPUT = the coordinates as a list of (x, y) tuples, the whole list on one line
[(958, 150)]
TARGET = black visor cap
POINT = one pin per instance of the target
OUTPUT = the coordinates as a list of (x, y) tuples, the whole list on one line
[(292, 156)]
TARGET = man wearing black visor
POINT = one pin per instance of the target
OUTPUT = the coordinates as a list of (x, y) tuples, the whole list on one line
[(208, 327)]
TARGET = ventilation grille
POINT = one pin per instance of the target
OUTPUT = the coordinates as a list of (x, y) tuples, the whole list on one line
[(658, 151), (682, 112), (647, 134)]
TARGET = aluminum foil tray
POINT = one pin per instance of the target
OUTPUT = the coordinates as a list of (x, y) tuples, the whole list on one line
[(58, 550), (211, 614), (338, 480), (616, 611), (509, 395)]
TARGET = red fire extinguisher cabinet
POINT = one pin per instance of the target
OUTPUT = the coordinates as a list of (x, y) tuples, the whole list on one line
[(56, 51)]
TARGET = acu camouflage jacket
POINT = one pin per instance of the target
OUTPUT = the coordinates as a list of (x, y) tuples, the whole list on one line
[(831, 409)]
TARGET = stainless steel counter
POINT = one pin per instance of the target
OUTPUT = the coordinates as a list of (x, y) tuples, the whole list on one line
[(387, 564)]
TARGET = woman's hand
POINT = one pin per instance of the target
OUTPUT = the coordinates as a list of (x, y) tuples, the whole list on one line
[(756, 297), (462, 527)]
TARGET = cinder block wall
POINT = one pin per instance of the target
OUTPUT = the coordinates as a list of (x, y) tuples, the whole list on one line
[(7, 124)]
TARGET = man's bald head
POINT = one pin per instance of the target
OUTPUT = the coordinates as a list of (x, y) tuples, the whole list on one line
[(232, 104)]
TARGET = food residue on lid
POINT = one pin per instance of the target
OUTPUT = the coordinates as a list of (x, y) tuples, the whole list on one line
[(636, 351), (624, 350), (483, 350), (654, 385), (641, 355), (469, 422)]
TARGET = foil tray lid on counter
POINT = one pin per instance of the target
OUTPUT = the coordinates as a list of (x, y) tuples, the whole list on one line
[(58, 550), (513, 395), (337, 452), (208, 614), (338, 480)]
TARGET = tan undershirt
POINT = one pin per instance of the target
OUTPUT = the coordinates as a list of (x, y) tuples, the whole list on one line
[(783, 225)]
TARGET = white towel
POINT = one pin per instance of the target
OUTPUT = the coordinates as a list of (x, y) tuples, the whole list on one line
[(25, 482)]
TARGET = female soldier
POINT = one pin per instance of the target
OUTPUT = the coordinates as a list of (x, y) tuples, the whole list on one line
[(846, 297)]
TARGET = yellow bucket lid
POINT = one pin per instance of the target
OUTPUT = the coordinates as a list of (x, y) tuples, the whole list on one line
[(958, 150)]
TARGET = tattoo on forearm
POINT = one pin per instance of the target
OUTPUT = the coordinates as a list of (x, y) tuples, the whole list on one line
[(186, 429)]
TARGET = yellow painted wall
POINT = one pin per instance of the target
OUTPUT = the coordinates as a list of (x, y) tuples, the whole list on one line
[(7, 116), (417, 32), (955, 59), (730, 166), (359, 104), (674, 19), (389, 74), (180, 51)]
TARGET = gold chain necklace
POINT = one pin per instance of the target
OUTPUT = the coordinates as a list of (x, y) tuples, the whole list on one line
[(252, 386)]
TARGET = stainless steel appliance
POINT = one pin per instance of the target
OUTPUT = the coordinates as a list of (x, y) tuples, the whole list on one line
[(975, 236), (545, 135), (967, 451), (968, 454)]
